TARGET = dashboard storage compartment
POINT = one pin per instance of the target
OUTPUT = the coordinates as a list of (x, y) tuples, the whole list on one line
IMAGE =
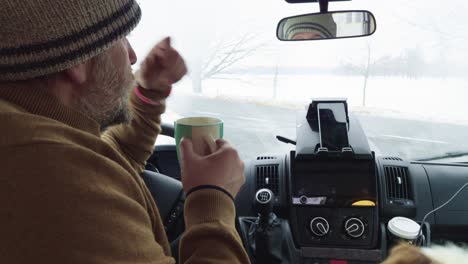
[(334, 202)]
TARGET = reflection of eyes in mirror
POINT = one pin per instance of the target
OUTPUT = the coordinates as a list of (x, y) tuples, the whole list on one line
[(306, 35)]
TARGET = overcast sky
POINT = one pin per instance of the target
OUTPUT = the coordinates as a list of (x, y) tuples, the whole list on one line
[(428, 25)]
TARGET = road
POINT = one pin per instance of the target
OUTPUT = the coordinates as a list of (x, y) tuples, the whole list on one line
[(252, 128)]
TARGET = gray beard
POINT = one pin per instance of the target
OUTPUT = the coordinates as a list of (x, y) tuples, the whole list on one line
[(107, 99), (121, 115), (103, 112)]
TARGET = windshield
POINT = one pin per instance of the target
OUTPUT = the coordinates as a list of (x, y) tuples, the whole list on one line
[(407, 83)]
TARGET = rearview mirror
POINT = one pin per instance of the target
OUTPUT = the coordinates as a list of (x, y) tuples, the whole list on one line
[(331, 25)]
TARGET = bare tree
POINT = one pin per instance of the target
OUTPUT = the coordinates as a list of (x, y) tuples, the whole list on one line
[(449, 35), (363, 69), (448, 30), (275, 82), (365, 72), (221, 57)]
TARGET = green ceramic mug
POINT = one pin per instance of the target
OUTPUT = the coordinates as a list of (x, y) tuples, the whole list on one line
[(203, 131)]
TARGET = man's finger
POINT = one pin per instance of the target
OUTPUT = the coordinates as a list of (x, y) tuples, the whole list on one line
[(167, 58), (181, 64), (186, 150), (221, 142), (147, 61), (167, 42), (177, 63), (164, 44), (179, 72), (161, 54)]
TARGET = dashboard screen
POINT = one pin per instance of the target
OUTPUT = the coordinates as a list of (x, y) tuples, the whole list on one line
[(334, 183)]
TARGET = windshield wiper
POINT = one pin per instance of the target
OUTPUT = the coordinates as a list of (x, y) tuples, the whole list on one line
[(286, 140), (447, 155)]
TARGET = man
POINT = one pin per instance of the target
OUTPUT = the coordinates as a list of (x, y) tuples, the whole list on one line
[(76, 134), (309, 27)]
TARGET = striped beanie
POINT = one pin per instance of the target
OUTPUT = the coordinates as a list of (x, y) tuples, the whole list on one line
[(40, 37), (322, 24)]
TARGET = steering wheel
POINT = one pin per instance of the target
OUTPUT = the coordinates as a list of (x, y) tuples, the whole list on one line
[(169, 197)]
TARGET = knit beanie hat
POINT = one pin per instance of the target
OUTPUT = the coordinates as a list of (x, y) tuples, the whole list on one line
[(322, 24), (40, 37)]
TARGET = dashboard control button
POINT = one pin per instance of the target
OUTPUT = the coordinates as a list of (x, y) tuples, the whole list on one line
[(303, 199), (319, 226), (354, 227)]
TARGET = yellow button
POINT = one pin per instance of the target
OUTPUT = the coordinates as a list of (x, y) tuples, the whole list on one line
[(364, 203)]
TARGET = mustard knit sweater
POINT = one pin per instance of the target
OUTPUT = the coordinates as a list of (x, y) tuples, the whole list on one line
[(69, 194)]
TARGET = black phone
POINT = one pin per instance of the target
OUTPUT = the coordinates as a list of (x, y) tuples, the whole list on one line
[(333, 127)]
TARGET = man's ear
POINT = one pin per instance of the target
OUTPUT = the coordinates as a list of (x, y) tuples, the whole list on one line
[(77, 74)]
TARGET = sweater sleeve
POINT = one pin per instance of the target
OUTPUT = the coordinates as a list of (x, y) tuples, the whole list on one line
[(136, 140), (209, 214), (211, 235)]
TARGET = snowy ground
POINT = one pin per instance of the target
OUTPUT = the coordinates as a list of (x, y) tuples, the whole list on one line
[(422, 98), (404, 117)]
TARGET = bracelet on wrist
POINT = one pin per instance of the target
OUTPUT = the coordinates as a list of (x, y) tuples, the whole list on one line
[(146, 99)]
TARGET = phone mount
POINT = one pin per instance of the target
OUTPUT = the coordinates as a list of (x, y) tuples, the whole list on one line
[(328, 129), (330, 119)]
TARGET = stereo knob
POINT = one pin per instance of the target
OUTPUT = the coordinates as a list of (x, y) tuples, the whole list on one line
[(354, 227), (319, 226)]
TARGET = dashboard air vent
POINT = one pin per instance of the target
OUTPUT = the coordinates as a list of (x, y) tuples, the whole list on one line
[(398, 186), (265, 158), (267, 176), (393, 158)]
